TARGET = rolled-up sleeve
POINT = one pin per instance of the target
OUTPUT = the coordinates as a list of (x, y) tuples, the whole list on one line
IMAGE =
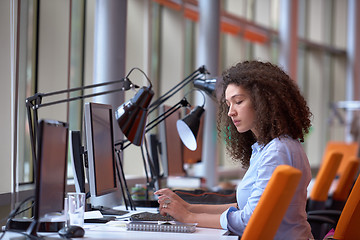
[(233, 220), (223, 219)]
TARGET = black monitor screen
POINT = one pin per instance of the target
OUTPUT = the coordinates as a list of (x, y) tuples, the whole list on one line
[(77, 164), (100, 148), (51, 167)]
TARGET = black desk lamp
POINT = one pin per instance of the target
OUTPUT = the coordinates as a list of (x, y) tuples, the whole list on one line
[(34, 102), (126, 124), (134, 112), (131, 116), (195, 76), (188, 127), (209, 86)]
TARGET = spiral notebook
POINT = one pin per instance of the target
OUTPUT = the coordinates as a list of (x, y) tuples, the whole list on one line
[(159, 226)]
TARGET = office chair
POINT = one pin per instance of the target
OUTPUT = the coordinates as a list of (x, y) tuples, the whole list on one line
[(324, 178), (349, 150), (272, 206), (347, 228), (345, 182), (335, 203)]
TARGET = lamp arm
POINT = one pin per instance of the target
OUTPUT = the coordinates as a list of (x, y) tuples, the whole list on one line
[(78, 98), (136, 68), (148, 182), (201, 92), (177, 87), (182, 103), (90, 87), (128, 85), (156, 121), (32, 121), (154, 176), (123, 183), (34, 102), (37, 98)]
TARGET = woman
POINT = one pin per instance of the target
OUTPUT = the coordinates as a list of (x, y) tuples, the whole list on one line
[(263, 118)]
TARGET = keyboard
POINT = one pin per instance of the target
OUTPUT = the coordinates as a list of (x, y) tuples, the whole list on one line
[(110, 211), (109, 214), (148, 216)]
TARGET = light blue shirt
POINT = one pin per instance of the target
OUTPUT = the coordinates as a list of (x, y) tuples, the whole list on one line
[(264, 160)]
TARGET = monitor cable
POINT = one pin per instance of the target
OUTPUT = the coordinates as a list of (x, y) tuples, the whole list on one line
[(13, 214)]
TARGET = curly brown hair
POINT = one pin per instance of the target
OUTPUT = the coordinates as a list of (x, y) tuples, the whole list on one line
[(280, 108)]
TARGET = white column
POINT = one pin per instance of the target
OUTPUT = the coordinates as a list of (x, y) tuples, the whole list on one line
[(288, 36), (109, 65), (353, 59), (208, 55), (109, 50)]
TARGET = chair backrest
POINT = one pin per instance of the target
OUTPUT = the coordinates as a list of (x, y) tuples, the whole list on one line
[(348, 225), (325, 176), (349, 150), (273, 203), (346, 180)]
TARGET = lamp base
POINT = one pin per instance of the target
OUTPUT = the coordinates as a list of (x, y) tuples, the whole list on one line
[(22, 224)]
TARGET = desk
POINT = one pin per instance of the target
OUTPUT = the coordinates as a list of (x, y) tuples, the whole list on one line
[(108, 232), (99, 232)]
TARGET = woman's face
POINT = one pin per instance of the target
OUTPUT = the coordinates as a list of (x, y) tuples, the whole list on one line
[(241, 110)]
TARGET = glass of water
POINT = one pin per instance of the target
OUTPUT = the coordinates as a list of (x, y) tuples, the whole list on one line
[(75, 209)]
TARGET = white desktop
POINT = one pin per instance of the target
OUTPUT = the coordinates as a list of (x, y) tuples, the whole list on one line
[(118, 231)]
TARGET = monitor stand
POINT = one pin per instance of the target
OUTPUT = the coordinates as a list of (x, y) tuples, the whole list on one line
[(23, 224), (109, 211)]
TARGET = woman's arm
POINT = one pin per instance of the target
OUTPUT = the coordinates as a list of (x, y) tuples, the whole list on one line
[(210, 208), (203, 214), (180, 213), (167, 194), (203, 219)]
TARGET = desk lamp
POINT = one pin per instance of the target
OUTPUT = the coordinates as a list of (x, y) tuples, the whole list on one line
[(188, 127), (138, 107), (191, 120), (34, 102), (131, 115)]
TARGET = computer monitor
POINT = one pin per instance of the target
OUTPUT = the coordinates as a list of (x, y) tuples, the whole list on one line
[(77, 160), (51, 171), (100, 149)]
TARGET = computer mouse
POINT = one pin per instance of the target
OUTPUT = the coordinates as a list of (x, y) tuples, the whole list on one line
[(72, 231)]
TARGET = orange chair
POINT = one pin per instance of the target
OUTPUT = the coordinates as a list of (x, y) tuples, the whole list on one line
[(349, 150), (349, 222), (344, 185), (347, 228), (323, 180), (272, 206), (335, 203)]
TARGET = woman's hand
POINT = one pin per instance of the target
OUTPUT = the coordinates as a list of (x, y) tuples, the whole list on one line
[(175, 206)]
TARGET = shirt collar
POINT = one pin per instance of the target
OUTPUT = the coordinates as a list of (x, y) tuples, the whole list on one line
[(255, 147)]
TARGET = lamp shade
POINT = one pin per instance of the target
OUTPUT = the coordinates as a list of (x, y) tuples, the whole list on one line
[(131, 115), (188, 127), (208, 86)]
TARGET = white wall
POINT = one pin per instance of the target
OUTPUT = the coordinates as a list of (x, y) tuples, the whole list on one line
[(136, 56), (53, 54), (6, 118)]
